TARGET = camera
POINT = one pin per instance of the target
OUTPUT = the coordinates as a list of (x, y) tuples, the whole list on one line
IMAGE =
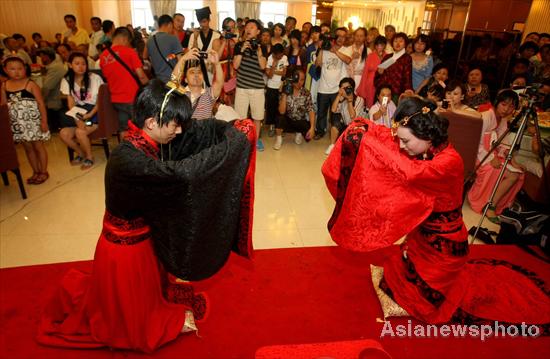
[(349, 90), (327, 42), (203, 55), (254, 44), (445, 104), (227, 34), (287, 87)]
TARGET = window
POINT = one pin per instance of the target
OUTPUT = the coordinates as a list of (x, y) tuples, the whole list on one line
[(226, 8), (272, 11), (187, 9), (141, 14)]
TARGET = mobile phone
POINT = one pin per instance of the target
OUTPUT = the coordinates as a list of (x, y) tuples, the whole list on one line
[(445, 104), (385, 101), (87, 122)]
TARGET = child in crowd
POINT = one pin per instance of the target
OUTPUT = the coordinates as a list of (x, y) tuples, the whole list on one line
[(277, 64), (81, 88), (384, 108), (28, 116)]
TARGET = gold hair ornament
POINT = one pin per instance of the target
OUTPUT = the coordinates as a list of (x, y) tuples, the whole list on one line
[(164, 102), (395, 125)]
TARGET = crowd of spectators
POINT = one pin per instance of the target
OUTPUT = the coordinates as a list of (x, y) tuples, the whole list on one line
[(309, 81)]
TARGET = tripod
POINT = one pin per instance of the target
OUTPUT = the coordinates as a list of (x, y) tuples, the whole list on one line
[(523, 118)]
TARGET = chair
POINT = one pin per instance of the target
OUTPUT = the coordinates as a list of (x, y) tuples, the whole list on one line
[(8, 154), (108, 122), (537, 188), (464, 135)]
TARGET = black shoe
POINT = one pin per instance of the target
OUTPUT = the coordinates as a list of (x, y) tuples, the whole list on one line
[(484, 235), (318, 136)]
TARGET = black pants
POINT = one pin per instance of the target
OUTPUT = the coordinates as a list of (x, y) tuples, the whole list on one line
[(271, 106), (288, 125), (337, 121), (324, 102)]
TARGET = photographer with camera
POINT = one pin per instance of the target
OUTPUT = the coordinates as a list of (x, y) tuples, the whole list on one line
[(332, 60), (454, 95), (345, 107), (250, 62), (190, 72), (275, 70), (296, 112), (225, 47)]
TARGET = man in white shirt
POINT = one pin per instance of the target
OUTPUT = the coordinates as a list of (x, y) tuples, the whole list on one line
[(95, 36), (333, 63)]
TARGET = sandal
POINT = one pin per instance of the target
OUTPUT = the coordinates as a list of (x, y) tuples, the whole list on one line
[(86, 164), (494, 219), (33, 178), (77, 160), (41, 178)]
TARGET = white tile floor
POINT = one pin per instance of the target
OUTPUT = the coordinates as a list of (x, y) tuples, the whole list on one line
[(61, 219)]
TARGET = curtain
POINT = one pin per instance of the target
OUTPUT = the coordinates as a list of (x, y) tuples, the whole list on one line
[(368, 17), (162, 7), (247, 8)]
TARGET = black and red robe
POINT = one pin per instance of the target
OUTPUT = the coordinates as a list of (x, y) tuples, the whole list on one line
[(181, 216)]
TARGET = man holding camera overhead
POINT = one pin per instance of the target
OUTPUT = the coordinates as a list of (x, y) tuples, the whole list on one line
[(332, 59), (250, 61), (296, 110)]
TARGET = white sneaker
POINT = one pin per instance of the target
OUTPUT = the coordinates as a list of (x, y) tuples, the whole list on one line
[(278, 143), (298, 139), (329, 150)]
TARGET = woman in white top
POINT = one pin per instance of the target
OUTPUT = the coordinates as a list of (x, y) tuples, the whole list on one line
[(359, 53), (345, 107), (382, 111), (454, 95), (81, 88)]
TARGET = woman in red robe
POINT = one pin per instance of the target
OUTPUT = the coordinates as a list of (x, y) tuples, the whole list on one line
[(386, 187)]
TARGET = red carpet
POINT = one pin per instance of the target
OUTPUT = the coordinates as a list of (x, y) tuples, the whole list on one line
[(285, 296)]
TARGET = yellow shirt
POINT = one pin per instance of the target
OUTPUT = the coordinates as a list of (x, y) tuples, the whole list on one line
[(81, 37)]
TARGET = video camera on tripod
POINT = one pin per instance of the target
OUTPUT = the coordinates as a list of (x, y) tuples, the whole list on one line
[(528, 112)]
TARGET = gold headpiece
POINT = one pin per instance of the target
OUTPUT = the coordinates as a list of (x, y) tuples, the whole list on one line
[(424, 110)]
